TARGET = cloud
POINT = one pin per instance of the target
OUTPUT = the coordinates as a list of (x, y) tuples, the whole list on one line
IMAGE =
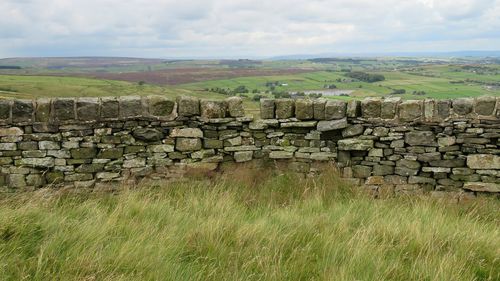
[(240, 28)]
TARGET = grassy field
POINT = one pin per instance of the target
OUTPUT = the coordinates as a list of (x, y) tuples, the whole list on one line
[(18, 86), (435, 87), (437, 79), (252, 225)]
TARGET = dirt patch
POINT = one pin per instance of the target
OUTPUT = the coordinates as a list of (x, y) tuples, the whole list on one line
[(188, 75)]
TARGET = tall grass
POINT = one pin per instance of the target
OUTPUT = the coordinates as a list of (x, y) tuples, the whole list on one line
[(252, 225)]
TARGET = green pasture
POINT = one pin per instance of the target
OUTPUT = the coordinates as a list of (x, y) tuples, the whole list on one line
[(16, 86), (435, 87)]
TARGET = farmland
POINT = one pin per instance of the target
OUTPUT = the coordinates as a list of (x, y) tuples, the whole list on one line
[(408, 79)]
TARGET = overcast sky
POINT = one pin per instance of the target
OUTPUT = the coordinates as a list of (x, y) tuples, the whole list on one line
[(244, 28)]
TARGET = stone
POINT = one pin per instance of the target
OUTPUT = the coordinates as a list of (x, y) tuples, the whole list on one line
[(267, 108), (34, 153), (240, 148), (160, 106), (483, 161), (134, 163), (371, 107), (42, 110), (443, 109), (210, 143), (22, 111), (63, 109), (376, 152), (395, 179), (380, 131), (423, 138), (324, 126), (243, 156), (49, 145), (382, 170), (5, 109), (233, 141), (436, 169), (16, 180), (498, 108), (301, 124), (355, 144), (353, 130), (106, 176), (8, 146), (429, 156), (482, 186), (304, 109), (5, 160), (203, 166), (403, 171), (235, 107), (54, 177), (421, 180), (77, 177), (213, 109), (353, 108), (360, 171), (36, 180), (410, 110), (87, 109), (429, 109), (46, 162), (161, 148), (462, 171), (257, 125), (111, 153), (109, 107), (186, 133), (59, 153), (89, 168), (83, 153), (450, 163), (187, 144), (322, 156), (202, 154), (485, 106), (84, 184), (389, 108), (285, 108), (130, 106), (463, 106), (446, 141), (280, 155), (335, 109), (375, 180), (147, 134), (12, 131), (319, 109), (411, 164), (188, 106)]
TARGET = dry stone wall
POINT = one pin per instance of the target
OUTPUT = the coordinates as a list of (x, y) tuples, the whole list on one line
[(385, 145)]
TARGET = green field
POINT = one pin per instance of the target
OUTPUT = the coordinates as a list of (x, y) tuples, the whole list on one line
[(435, 87), (18, 86), (253, 225), (441, 79)]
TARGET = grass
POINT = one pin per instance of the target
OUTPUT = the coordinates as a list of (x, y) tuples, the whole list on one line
[(251, 225), (435, 87), (19, 86)]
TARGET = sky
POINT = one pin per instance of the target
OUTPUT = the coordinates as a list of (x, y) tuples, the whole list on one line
[(244, 28)]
